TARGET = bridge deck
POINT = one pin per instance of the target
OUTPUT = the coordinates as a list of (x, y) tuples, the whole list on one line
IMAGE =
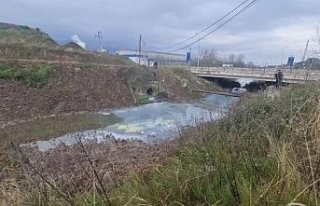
[(290, 76)]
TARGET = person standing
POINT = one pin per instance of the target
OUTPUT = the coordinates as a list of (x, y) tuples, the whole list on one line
[(155, 65), (276, 76), (279, 78)]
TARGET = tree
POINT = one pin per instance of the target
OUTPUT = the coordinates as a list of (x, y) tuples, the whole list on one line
[(239, 61), (231, 58), (235, 60), (240, 58), (209, 58), (317, 39)]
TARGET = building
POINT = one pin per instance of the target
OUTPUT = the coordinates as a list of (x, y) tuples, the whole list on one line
[(149, 57)]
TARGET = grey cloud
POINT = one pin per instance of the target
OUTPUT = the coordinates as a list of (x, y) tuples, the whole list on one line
[(121, 22)]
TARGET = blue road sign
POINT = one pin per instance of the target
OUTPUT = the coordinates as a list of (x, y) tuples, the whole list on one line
[(290, 61), (188, 56)]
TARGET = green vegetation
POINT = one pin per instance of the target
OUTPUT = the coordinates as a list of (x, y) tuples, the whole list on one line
[(42, 129), (36, 77), (143, 100), (265, 153)]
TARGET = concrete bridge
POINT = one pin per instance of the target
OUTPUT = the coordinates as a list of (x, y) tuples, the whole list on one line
[(257, 74)]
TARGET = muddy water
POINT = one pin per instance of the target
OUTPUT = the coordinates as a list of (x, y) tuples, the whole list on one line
[(150, 123)]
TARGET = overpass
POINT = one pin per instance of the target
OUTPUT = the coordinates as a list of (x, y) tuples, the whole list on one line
[(258, 74)]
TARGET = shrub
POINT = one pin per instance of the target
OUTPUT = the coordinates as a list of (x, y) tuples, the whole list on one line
[(162, 95), (36, 77), (143, 100)]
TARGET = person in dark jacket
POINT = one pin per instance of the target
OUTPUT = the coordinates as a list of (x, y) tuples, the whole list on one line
[(279, 78), (155, 65)]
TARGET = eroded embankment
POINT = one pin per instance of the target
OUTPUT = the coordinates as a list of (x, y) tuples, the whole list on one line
[(68, 90), (77, 88), (72, 89)]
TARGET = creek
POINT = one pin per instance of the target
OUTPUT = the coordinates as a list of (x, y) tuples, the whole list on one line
[(150, 123)]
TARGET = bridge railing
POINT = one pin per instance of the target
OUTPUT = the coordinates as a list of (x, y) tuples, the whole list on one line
[(294, 74)]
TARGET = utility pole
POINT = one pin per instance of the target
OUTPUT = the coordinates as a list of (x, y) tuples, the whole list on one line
[(198, 53), (140, 41), (99, 36), (304, 53), (302, 62)]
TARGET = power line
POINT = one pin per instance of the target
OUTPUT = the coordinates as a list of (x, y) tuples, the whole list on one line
[(220, 26), (148, 42), (155, 41), (208, 27)]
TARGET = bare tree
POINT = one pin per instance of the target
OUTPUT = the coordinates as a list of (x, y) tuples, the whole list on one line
[(317, 39), (239, 61), (209, 58), (235, 60), (231, 58), (313, 62)]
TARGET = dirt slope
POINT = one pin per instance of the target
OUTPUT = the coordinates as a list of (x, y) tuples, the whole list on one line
[(74, 89), (69, 90), (21, 34)]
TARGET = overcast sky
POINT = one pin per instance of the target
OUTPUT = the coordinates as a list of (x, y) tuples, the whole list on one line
[(268, 32)]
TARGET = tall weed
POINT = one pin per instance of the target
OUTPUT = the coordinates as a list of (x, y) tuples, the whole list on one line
[(265, 153)]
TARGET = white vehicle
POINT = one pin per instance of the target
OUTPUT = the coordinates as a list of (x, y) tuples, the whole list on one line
[(227, 65)]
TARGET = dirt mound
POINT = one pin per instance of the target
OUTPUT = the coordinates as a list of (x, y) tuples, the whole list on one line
[(73, 89), (68, 90), (21, 34), (73, 45)]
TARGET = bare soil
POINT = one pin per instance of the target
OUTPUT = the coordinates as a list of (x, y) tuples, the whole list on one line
[(73, 89), (69, 90)]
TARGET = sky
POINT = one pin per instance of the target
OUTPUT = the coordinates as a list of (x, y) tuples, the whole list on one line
[(266, 33)]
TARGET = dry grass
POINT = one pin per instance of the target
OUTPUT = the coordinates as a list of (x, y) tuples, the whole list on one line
[(80, 175), (265, 153)]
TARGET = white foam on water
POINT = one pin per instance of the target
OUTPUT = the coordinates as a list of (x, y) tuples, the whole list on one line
[(148, 123)]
